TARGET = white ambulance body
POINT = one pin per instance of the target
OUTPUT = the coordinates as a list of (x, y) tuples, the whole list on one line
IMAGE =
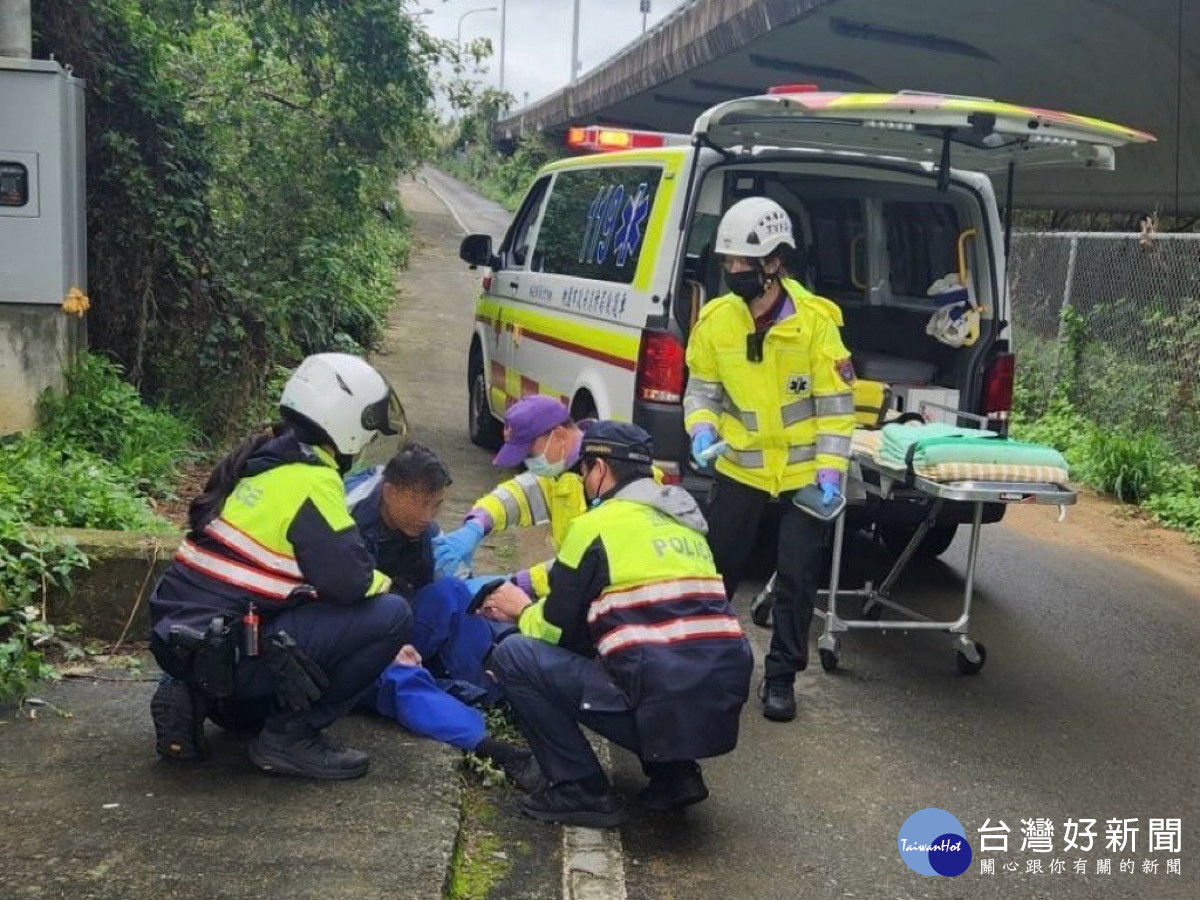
[(593, 291)]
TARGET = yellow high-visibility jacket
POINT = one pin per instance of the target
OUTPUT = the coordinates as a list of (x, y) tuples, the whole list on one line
[(785, 416)]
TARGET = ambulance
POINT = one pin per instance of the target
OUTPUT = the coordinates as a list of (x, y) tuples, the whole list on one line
[(599, 280)]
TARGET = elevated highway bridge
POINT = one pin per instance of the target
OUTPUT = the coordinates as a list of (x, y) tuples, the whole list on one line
[(1136, 62)]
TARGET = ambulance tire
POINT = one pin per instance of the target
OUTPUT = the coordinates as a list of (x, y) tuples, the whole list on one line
[(483, 428), (937, 541)]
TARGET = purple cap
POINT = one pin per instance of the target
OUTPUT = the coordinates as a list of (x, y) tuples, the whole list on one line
[(526, 421)]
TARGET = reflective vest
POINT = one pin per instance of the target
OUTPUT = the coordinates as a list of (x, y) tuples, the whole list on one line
[(664, 628), (284, 525), (784, 416), (529, 500)]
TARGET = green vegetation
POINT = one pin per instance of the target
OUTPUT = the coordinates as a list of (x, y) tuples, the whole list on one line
[(1134, 465), (469, 153), (480, 860), (95, 461), (243, 160)]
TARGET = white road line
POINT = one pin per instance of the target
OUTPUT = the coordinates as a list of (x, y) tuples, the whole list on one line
[(454, 212), (593, 861)]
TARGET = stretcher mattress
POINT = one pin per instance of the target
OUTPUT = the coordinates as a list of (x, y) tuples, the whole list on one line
[(868, 443)]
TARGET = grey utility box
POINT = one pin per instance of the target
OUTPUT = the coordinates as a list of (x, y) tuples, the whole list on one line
[(43, 238)]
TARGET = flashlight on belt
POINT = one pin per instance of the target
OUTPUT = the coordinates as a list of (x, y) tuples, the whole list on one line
[(250, 623)]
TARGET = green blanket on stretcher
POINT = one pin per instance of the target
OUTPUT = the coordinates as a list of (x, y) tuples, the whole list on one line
[(935, 444)]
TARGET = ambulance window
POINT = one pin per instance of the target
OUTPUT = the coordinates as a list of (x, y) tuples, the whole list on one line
[(596, 221), (515, 249), (922, 241), (14, 184), (838, 257)]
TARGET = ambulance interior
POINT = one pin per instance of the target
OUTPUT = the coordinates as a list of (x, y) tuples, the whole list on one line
[(880, 243)]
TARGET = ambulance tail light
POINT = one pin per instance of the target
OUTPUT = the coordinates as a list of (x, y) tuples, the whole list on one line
[(660, 368), (670, 471), (998, 391), (604, 140), (486, 284)]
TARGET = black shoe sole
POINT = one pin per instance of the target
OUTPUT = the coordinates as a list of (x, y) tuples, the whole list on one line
[(779, 715), (278, 765), (582, 818)]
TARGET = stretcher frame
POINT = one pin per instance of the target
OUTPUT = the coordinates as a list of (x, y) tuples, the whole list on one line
[(873, 478)]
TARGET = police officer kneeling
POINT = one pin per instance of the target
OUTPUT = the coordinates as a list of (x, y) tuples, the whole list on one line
[(648, 654), (272, 617)]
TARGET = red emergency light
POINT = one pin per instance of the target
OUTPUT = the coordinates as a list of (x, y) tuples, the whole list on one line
[(604, 140), (793, 89)]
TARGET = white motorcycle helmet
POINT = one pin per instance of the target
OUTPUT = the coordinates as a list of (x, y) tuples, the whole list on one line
[(344, 398), (754, 227)]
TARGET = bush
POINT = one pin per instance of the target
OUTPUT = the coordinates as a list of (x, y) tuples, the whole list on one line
[(1128, 464), (243, 161), (104, 416), (70, 488), (29, 567), (1061, 426), (1177, 504)]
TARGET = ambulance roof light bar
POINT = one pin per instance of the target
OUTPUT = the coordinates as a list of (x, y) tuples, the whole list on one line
[(598, 139), (793, 89)]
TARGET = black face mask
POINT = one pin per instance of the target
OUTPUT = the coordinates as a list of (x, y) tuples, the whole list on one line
[(747, 285)]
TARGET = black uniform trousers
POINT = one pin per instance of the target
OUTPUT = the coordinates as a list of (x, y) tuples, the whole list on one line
[(734, 513), (352, 645)]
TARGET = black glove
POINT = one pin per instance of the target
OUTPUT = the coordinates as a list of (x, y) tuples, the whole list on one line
[(299, 682)]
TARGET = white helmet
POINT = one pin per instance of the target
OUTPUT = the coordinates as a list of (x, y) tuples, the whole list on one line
[(754, 227), (345, 398)]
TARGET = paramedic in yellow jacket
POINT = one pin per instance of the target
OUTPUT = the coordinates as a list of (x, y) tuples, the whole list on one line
[(769, 377), (538, 431)]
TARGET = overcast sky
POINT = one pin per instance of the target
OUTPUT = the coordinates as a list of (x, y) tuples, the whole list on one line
[(538, 35)]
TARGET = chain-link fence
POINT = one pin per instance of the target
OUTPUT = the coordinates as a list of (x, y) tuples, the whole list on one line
[(1112, 323)]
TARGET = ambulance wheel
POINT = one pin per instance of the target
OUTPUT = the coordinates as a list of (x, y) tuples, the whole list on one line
[(965, 666), (485, 431), (937, 540), (829, 659)]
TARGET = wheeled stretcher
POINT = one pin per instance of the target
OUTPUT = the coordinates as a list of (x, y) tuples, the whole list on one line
[(869, 476)]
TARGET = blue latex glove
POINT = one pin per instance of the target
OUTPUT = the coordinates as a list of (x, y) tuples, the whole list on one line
[(701, 441), (456, 548), (830, 481)]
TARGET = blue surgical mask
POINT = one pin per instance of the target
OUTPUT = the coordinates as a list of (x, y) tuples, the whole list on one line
[(543, 468)]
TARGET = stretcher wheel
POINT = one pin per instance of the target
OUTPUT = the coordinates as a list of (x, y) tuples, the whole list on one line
[(760, 608), (965, 666), (829, 659)]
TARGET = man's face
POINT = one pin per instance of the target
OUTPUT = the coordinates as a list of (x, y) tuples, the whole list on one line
[(410, 509), (553, 443)]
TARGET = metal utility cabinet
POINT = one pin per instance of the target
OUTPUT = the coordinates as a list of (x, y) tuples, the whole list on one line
[(43, 241)]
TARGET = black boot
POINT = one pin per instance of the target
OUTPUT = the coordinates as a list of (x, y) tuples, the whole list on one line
[(516, 762), (294, 747), (178, 713), (673, 786), (778, 700), (571, 803)]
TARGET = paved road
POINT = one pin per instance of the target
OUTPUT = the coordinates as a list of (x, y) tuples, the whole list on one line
[(1086, 709)]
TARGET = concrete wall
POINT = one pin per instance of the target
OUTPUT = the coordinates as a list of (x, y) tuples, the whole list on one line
[(36, 343)]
